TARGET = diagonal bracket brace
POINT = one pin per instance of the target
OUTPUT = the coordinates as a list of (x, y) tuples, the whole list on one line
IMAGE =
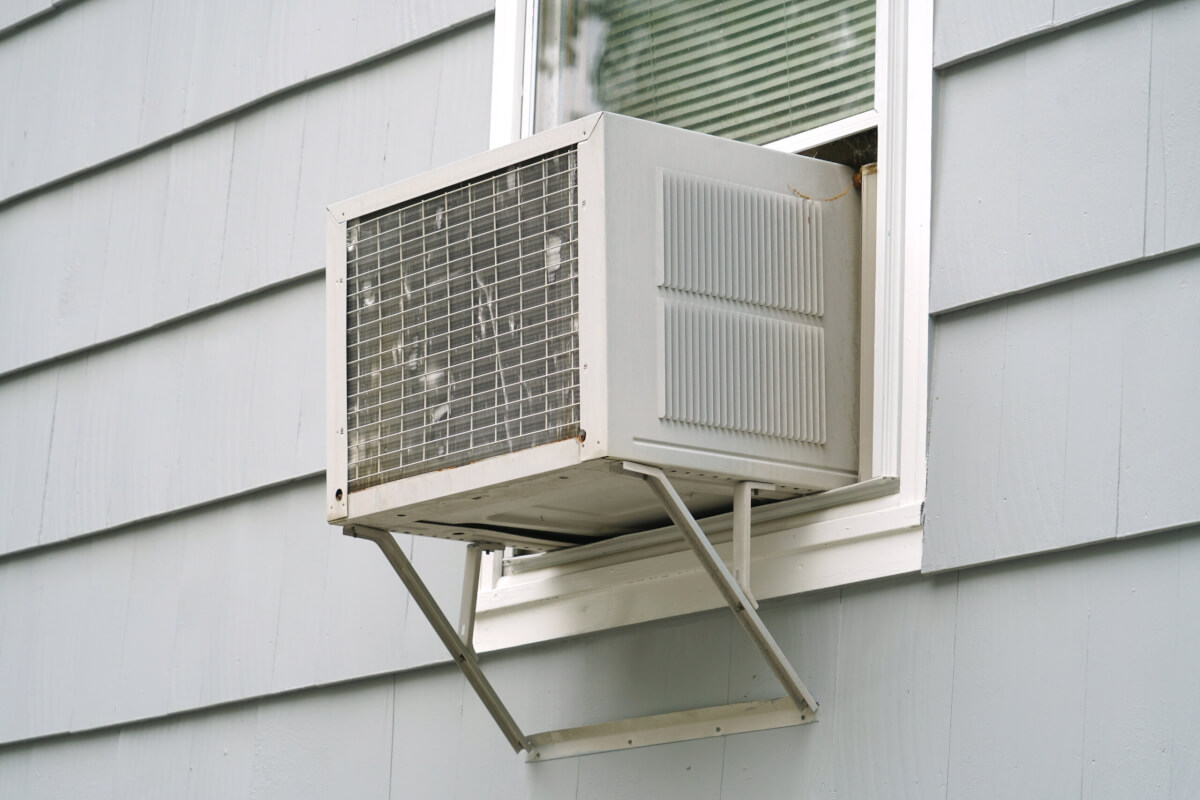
[(661, 728), (462, 653), (735, 597)]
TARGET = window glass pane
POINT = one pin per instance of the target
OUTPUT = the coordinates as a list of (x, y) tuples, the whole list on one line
[(755, 70)]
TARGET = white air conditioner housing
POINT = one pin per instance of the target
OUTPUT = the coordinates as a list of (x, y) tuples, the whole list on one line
[(503, 329)]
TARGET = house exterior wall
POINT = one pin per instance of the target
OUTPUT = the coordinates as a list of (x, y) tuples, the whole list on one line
[(177, 620), (1063, 281)]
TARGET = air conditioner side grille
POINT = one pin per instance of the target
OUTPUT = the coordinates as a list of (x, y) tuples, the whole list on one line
[(462, 323)]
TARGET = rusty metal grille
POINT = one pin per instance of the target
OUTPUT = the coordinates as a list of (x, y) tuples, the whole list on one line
[(462, 313)]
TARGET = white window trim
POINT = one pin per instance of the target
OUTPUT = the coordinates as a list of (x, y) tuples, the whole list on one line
[(514, 74), (874, 529)]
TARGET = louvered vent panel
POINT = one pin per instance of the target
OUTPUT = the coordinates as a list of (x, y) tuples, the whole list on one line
[(462, 323), (740, 243), (743, 372)]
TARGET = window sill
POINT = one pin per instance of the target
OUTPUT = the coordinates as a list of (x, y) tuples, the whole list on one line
[(799, 546)]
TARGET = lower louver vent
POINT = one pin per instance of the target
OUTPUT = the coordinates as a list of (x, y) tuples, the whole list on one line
[(462, 323)]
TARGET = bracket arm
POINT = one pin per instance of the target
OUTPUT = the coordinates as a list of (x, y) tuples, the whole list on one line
[(470, 594), (736, 599), (463, 655), (741, 535), (677, 726)]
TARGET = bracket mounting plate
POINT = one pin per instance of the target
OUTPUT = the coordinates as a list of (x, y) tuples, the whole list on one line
[(677, 726)]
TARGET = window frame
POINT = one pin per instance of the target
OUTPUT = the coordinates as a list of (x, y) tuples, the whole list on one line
[(514, 71), (870, 530)]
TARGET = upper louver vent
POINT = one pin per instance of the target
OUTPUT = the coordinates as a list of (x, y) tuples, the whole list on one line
[(462, 323)]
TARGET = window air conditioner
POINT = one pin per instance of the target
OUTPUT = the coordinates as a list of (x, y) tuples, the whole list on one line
[(503, 329)]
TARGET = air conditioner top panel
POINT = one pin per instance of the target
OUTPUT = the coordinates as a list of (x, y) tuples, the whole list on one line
[(467, 169)]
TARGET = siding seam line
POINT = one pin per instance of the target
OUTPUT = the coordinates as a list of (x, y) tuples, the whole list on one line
[(1087, 660), (462, 713), (229, 195), (1007, 558), (281, 93), (221, 706), (36, 18), (1064, 475), (49, 455), (154, 6), (1116, 534), (121, 527), (1149, 124), (1179, 554), (392, 738), (1006, 309), (953, 671), (1018, 293), (160, 326), (1034, 33), (837, 666)]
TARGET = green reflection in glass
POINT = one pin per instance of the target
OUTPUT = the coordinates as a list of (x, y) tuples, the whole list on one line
[(755, 70)]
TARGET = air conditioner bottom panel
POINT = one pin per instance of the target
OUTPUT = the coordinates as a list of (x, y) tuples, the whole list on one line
[(582, 503)]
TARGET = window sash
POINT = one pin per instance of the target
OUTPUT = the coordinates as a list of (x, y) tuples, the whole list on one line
[(743, 69)]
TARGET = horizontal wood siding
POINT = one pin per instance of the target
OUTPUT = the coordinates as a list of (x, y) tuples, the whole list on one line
[(967, 28), (1066, 221), (1173, 175), (1065, 416), (1067, 154), (332, 744), (929, 687), (161, 358), (15, 13), (231, 209), (136, 71), (244, 598), (196, 412)]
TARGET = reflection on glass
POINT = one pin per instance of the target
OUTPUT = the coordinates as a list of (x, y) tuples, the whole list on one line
[(755, 70)]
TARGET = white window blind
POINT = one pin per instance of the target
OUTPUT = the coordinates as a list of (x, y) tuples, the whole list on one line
[(755, 70)]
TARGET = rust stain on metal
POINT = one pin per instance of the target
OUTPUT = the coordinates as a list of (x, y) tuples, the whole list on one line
[(837, 196), (865, 169)]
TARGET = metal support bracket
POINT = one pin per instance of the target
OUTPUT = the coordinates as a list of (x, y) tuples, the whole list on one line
[(797, 708), (735, 598), (470, 594), (741, 535), (462, 653)]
